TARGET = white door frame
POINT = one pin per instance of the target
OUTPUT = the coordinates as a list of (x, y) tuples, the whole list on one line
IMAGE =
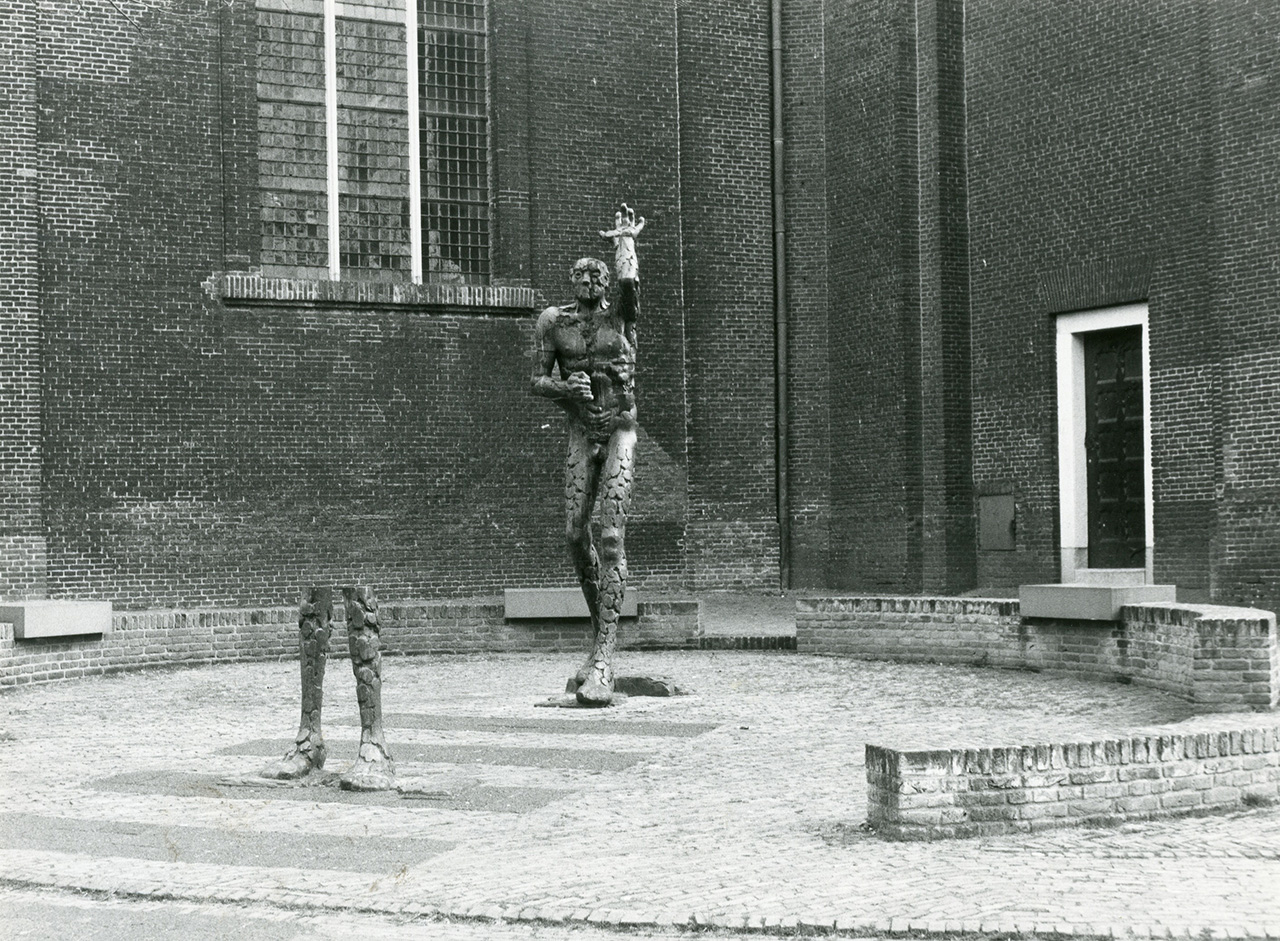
[(1072, 468)]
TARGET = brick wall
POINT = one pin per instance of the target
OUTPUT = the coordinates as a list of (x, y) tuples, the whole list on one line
[(870, 516), (949, 550), (902, 504), (603, 128), (223, 450), (959, 792), (1222, 659), (1244, 155), (810, 381), (1090, 162), (957, 173), (132, 149), (989, 167), (22, 545), (725, 168), (147, 639)]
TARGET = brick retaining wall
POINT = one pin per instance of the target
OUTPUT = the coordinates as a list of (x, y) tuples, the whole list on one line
[(959, 792), (141, 639), (1220, 658)]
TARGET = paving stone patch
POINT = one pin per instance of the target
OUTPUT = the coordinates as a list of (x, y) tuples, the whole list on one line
[(581, 759), (325, 789), (228, 847), (418, 720)]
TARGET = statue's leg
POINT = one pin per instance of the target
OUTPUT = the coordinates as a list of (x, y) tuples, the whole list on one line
[(582, 473), (373, 769), (615, 500), (308, 752)]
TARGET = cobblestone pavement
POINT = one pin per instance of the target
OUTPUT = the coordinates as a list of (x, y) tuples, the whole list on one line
[(738, 806)]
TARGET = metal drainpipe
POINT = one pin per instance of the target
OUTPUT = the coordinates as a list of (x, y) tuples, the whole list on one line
[(781, 414)]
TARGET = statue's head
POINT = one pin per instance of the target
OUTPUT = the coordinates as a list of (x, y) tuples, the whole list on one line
[(590, 279)]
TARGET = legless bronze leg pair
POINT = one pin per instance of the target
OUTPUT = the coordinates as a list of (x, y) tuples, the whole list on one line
[(373, 769)]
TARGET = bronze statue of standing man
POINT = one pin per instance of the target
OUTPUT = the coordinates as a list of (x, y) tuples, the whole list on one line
[(585, 361)]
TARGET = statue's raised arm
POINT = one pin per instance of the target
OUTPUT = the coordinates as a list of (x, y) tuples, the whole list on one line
[(626, 263), (623, 235)]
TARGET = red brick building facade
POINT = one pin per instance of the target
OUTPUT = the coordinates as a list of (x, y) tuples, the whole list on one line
[(195, 413)]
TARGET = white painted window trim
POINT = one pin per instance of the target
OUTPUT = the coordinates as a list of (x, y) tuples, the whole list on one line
[(1072, 469), (414, 154), (415, 141), (331, 133)]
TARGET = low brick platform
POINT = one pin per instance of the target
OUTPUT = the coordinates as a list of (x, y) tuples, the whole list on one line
[(141, 639), (1221, 658), (960, 792)]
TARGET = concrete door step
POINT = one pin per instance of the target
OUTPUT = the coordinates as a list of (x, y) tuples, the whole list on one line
[(1083, 602)]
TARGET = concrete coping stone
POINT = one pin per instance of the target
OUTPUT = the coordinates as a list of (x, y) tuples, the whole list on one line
[(252, 287), (391, 611), (909, 604), (1150, 611), (1188, 613)]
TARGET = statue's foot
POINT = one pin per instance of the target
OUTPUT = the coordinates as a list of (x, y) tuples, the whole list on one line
[(302, 759), (373, 771), (597, 687), (584, 671)]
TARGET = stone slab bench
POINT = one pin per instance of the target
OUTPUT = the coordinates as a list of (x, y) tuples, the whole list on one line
[(56, 618), (535, 603)]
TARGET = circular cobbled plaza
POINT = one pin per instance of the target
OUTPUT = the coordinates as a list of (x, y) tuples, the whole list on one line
[(738, 808)]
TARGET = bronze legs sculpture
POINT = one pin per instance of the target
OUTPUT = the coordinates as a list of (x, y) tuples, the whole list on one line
[(373, 769), (308, 752)]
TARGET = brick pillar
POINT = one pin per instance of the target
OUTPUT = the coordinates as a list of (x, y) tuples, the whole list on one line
[(22, 544), (935, 298), (1235, 660), (1246, 228)]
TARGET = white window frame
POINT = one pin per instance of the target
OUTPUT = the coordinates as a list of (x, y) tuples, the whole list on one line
[(1072, 461), (331, 134), (410, 20)]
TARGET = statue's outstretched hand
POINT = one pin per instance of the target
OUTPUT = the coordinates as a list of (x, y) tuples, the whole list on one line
[(623, 235)]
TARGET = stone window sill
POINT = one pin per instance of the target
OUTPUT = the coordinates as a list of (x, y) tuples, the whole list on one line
[(252, 289)]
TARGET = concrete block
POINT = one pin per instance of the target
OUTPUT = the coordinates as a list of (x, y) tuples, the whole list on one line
[(1077, 602), (534, 603), (32, 619)]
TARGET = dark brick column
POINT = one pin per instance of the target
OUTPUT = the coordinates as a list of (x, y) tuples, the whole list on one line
[(920, 290), (950, 546), (935, 297), (22, 543), (864, 190), (725, 165), (1246, 214), (901, 476), (806, 192)]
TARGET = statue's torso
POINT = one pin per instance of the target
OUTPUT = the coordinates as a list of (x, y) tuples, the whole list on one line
[(597, 345)]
